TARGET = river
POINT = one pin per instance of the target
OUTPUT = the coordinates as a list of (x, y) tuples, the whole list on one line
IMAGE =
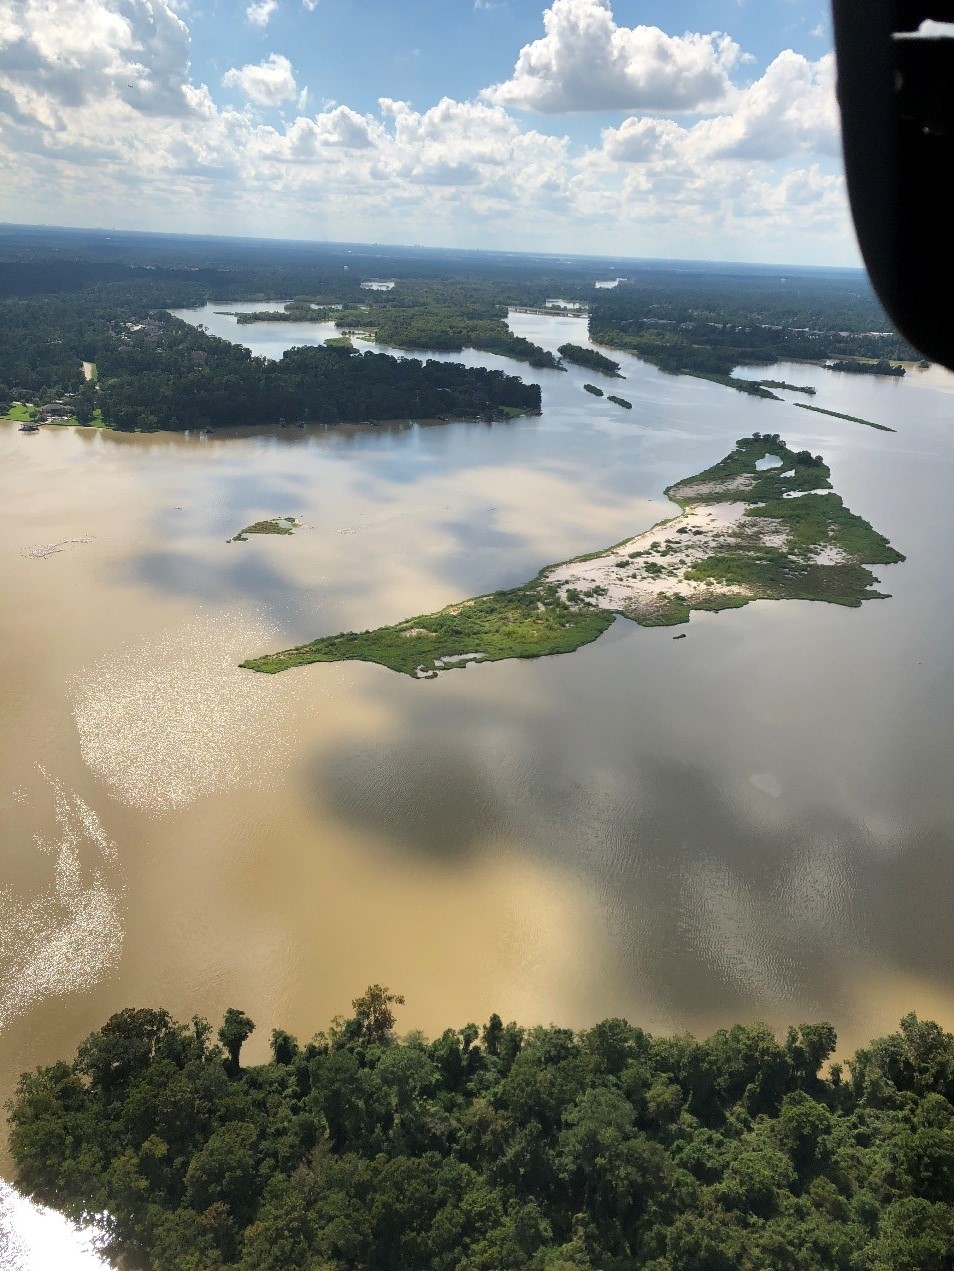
[(752, 822)]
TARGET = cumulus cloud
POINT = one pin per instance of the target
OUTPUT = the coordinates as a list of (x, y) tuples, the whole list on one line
[(305, 140), (790, 111), (100, 119), (138, 51), (259, 14), (586, 62), (266, 83)]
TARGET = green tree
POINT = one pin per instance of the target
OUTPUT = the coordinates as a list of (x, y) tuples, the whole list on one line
[(373, 1010), (235, 1031)]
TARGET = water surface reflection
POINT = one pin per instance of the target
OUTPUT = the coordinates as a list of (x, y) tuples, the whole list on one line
[(752, 821)]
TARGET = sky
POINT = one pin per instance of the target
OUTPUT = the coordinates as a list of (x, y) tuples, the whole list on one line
[(613, 127)]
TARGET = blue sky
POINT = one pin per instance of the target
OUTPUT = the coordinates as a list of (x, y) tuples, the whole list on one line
[(356, 51), (679, 129)]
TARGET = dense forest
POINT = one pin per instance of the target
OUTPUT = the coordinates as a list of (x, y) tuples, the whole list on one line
[(67, 296), (449, 321), (704, 327), (447, 327), (159, 372), (497, 1147), (881, 367)]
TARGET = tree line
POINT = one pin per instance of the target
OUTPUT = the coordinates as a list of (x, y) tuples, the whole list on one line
[(155, 371), (497, 1146)]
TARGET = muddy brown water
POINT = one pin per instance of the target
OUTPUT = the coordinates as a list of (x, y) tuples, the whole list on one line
[(756, 821)]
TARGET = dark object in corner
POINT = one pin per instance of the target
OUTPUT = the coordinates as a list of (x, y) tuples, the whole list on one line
[(896, 92)]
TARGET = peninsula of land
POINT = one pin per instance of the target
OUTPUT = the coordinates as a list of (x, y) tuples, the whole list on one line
[(761, 524)]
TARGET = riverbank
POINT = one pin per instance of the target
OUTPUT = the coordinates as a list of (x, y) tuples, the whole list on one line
[(761, 524)]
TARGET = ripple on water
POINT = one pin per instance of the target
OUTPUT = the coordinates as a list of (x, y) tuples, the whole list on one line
[(66, 938), (172, 719)]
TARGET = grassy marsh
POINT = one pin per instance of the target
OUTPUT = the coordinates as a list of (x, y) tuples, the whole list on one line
[(783, 534)]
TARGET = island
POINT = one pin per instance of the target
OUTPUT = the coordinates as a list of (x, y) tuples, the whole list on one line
[(277, 525), (583, 356), (591, 388), (880, 367), (761, 524), (620, 401), (837, 414), (427, 322), (789, 388)]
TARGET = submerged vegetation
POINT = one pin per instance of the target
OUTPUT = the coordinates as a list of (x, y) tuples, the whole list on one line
[(836, 414), (745, 533), (497, 1146)]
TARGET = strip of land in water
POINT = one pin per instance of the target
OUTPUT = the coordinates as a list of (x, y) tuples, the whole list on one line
[(743, 533), (836, 414)]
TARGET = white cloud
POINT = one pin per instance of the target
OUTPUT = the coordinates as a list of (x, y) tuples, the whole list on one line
[(259, 14), (586, 62), (267, 83), (87, 47), (101, 121), (306, 140), (790, 111)]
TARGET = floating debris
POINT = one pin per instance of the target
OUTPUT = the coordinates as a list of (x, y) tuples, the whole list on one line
[(43, 550)]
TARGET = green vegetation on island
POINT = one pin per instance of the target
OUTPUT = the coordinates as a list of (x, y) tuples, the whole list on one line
[(294, 311), (442, 327), (592, 388), (880, 367), (789, 388), (495, 1147), (583, 356), (447, 318), (746, 532), (524, 622), (277, 525), (836, 414), (620, 401)]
